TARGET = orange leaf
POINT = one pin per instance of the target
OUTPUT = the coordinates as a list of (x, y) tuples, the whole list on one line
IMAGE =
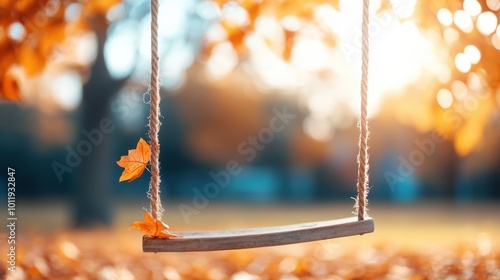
[(135, 162), (9, 88), (152, 227)]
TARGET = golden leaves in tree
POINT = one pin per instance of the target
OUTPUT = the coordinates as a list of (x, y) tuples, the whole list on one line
[(237, 34), (100, 7), (135, 162), (152, 227), (44, 29)]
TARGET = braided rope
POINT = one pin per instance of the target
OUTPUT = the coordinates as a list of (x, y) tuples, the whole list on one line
[(154, 117), (363, 166)]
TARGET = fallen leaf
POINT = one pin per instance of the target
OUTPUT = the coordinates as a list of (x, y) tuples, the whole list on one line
[(135, 162), (152, 227)]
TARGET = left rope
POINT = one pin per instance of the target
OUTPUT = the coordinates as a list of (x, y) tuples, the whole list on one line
[(154, 117)]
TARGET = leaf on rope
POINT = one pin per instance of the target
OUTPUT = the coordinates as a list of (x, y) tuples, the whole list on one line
[(152, 227), (135, 162)]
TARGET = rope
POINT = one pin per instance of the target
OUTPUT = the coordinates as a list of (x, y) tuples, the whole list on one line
[(154, 117), (361, 201)]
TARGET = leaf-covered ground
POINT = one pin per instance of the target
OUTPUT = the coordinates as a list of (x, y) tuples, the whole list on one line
[(410, 242)]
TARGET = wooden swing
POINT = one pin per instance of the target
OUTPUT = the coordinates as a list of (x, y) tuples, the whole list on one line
[(268, 236)]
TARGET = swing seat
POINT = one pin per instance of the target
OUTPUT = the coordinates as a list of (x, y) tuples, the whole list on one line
[(258, 237)]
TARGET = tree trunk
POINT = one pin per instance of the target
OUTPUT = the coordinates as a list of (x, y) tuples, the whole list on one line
[(93, 186)]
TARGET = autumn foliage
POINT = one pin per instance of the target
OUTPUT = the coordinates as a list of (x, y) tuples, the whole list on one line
[(135, 163), (34, 32), (152, 227)]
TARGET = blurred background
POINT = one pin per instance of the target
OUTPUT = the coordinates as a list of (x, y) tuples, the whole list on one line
[(228, 69), (271, 87)]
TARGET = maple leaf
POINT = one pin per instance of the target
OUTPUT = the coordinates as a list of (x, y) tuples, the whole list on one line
[(135, 162), (152, 227)]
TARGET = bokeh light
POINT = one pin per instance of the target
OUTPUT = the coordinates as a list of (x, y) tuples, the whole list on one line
[(472, 53), (234, 14), (318, 128), (472, 7), (444, 98), (222, 61), (474, 81), (67, 90), (487, 23), (309, 54), (462, 63), (16, 31), (445, 17), (290, 23), (459, 89), (120, 51), (495, 41), (493, 5), (463, 21)]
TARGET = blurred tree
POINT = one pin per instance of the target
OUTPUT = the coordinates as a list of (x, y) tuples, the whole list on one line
[(33, 35)]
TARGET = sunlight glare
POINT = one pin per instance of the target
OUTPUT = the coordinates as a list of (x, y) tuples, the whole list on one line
[(273, 72), (66, 90), (398, 57), (462, 63), (472, 53), (444, 98), (487, 23), (403, 9), (309, 54), (463, 21), (472, 7), (445, 17)]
